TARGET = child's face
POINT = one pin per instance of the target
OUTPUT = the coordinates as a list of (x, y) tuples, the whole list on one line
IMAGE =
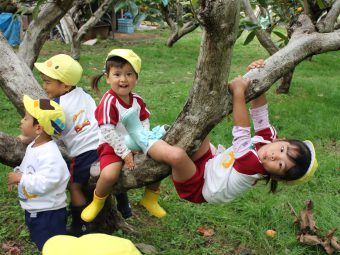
[(52, 87), (122, 80), (274, 157), (27, 127)]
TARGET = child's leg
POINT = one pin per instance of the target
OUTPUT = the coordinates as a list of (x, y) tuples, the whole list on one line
[(78, 204), (123, 205), (202, 150), (77, 196), (150, 200), (183, 168), (108, 176)]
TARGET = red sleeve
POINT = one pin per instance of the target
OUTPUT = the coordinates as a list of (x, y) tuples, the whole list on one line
[(107, 112), (249, 164), (268, 133), (144, 112)]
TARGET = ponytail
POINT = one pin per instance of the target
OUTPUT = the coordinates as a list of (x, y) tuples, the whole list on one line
[(94, 83)]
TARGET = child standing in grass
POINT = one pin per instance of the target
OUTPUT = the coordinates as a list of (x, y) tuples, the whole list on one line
[(205, 177), (122, 69), (43, 175), (60, 75)]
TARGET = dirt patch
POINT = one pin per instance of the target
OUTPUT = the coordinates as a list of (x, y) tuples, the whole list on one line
[(136, 36), (333, 147)]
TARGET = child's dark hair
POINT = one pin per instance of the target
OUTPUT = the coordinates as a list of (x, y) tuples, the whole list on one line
[(115, 61), (35, 121), (300, 155)]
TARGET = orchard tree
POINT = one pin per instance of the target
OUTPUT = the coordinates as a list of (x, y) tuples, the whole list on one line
[(209, 100)]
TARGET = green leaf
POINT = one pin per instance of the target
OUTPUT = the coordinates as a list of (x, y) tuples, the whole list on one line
[(120, 5), (246, 24), (281, 35), (250, 37), (239, 33), (133, 8), (139, 18), (321, 4), (165, 2)]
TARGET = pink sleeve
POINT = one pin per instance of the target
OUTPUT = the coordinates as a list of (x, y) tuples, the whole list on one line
[(260, 117), (241, 140)]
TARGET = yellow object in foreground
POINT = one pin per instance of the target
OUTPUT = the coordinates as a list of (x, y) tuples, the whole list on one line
[(91, 244)]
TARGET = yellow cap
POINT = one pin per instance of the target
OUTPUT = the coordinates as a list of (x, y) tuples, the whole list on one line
[(91, 244), (311, 169), (129, 56), (48, 113), (62, 68)]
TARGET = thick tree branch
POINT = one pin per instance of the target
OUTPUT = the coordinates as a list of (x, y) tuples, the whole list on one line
[(327, 25), (14, 146), (16, 78), (180, 32), (38, 30)]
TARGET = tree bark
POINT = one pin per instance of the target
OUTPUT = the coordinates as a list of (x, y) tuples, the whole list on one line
[(16, 78), (12, 150), (327, 25), (38, 30)]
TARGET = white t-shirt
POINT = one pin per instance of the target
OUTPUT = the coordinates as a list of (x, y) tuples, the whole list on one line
[(81, 133), (44, 178)]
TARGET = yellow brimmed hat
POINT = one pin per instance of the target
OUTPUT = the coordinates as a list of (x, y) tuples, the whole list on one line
[(61, 67), (48, 114), (312, 166), (90, 244), (129, 56)]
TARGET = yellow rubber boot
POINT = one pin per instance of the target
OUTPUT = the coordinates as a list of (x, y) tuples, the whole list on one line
[(150, 202), (92, 210)]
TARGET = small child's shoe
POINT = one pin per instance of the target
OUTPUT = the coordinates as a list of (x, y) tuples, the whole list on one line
[(92, 210), (150, 203), (141, 137)]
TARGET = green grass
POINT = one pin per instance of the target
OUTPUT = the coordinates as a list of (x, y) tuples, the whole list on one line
[(310, 111)]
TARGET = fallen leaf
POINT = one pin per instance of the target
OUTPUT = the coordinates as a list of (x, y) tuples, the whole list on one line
[(206, 231), (309, 239), (307, 222), (11, 248)]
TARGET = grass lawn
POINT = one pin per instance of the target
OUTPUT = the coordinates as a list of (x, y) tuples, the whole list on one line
[(309, 111)]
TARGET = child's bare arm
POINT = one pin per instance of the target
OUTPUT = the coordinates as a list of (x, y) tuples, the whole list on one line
[(261, 100), (238, 87)]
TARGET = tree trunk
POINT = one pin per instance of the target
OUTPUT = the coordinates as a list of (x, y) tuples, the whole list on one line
[(285, 83), (38, 30)]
